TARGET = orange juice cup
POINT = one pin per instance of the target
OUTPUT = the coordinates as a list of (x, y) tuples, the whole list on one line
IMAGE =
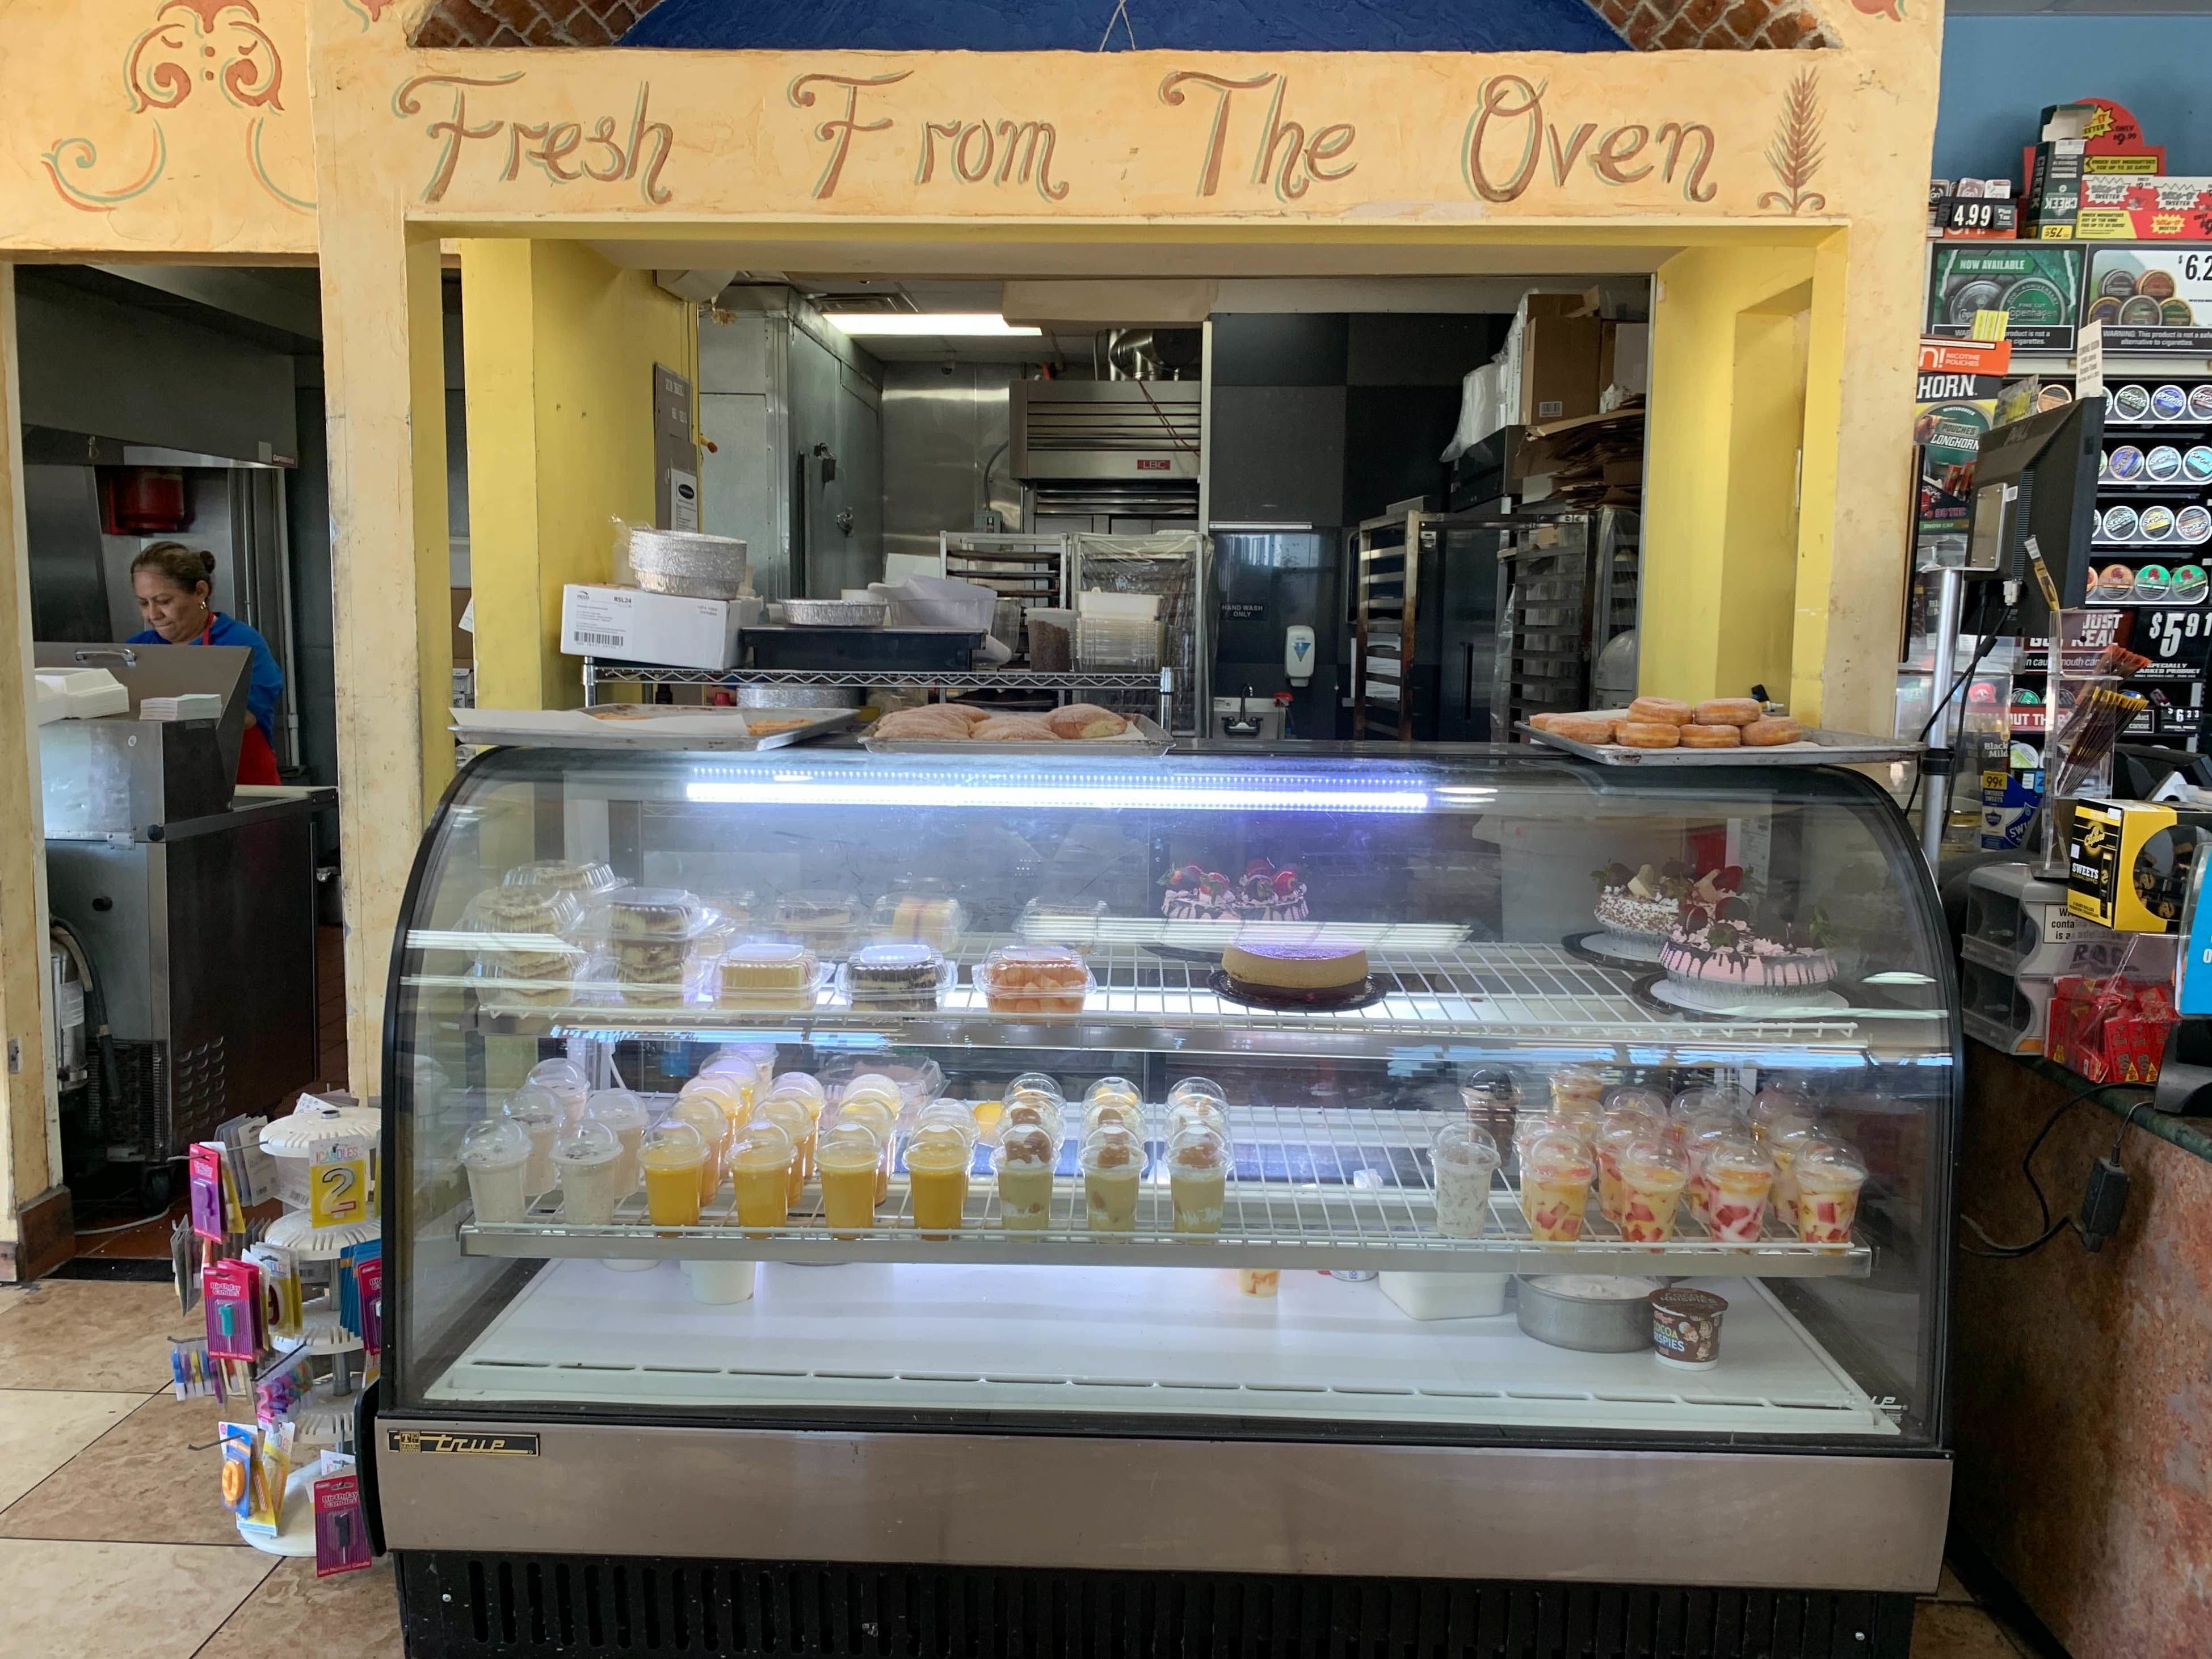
[(735, 1101), (849, 1158), (882, 1119), (1830, 1175), (789, 1114), (1736, 1178), (937, 1163), (671, 1156), (1653, 1173), (704, 1114), (760, 1175), (1555, 1179)]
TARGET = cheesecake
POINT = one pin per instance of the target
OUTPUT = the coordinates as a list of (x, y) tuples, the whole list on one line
[(1308, 970)]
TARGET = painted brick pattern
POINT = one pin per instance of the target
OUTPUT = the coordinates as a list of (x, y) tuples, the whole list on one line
[(1646, 25)]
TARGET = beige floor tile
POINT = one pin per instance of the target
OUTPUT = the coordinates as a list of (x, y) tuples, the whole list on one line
[(1952, 1629), (87, 1334), (142, 1482), (118, 1600), (41, 1429), (356, 1613)]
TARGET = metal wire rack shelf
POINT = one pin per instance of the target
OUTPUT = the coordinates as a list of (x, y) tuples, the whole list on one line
[(1344, 1187), (598, 673)]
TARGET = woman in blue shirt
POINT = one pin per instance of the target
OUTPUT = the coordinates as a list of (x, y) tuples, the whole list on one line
[(174, 584)]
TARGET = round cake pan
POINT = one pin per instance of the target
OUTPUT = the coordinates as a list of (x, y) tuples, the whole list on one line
[(796, 696), (835, 613), (1591, 1313), (687, 564)]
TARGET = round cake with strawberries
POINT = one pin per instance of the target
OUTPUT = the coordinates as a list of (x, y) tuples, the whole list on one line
[(1719, 944), (1265, 894)]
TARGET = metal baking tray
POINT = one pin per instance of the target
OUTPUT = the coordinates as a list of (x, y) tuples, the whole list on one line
[(1819, 748), (1144, 737), (712, 731)]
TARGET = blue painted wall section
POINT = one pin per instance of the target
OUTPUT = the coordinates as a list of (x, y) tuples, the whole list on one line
[(1999, 72), (1149, 25)]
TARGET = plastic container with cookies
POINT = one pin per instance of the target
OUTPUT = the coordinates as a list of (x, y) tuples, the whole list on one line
[(520, 955), (1034, 979), (650, 944)]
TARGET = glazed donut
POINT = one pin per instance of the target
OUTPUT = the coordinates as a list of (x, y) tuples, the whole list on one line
[(1710, 737), (1649, 734), (1581, 728), (1729, 711), (1776, 728), (1660, 711)]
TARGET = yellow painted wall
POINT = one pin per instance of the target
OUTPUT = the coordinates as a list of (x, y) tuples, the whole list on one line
[(1721, 547), (560, 346)]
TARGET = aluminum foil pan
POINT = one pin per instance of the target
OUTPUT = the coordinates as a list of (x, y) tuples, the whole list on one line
[(796, 696), (836, 613), (685, 562)]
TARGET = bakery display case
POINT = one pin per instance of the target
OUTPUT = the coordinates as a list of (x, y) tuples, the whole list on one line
[(1461, 1168)]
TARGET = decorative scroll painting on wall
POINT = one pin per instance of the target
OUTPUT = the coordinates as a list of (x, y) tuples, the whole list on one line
[(196, 57)]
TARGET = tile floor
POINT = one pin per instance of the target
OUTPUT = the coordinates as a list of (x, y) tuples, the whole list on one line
[(111, 1542)]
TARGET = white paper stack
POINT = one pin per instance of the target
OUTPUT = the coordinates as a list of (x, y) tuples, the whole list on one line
[(184, 706), (80, 694)]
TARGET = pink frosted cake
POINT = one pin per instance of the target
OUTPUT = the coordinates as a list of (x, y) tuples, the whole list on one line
[(1265, 894), (1728, 955)]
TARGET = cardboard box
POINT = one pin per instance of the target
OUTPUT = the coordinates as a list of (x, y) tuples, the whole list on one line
[(1625, 356), (2141, 225), (2110, 882), (1560, 366), (631, 625)]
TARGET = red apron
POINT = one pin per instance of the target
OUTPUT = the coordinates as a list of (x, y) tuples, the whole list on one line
[(257, 761)]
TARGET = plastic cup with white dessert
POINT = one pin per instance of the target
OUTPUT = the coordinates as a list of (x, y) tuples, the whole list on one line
[(1196, 1088), (1464, 1157), (539, 1113), (1026, 1163), (1699, 1136), (589, 1158), (1040, 1082), (849, 1156), (1652, 1176), (1113, 1163), (1782, 1098), (759, 1161), (1029, 1106), (566, 1079), (1636, 1098), (1115, 1088), (1783, 1141), (1122, 1109), (670, 1158), (1198, 1182), (1712, 1100), (495, 1153), (1830, 1177), (1578, 1090), (1197, 1112), (1736, 1178), (1555, 1181), (1034, 979), (625, 1113), (789, 1114), (704, 1114), (938, 1159)]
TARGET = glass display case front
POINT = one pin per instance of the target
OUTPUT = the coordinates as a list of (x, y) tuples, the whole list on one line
[(1456, 1099)]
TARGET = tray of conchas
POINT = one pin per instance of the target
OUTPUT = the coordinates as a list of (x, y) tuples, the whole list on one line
[(1719, 732), (959, 728)]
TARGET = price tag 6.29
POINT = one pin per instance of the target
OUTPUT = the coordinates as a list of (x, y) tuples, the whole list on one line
[(337, 1185)]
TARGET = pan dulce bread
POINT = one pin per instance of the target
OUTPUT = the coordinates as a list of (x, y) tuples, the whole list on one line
[(1648, 734), (1766, 732), (1581, 728), (1665, 711), (1086, 720), (1729, 711), (1710, 737)]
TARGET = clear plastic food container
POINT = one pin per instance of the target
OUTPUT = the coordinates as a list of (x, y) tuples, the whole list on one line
[(916, 1076), (827, 920), (932, 918), (1070, 922), (1034, 979), (584, 881), (521, 956), (643, 916), (897, 974), (766, 973)]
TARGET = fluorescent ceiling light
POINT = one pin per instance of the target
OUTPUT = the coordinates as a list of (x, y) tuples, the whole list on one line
[(934, 323)]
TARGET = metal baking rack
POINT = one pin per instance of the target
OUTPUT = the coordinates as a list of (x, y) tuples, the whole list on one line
[(598, 673), (1333, 1187)]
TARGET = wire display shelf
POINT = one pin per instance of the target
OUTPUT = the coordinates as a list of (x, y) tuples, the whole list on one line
[(1334, 1187)]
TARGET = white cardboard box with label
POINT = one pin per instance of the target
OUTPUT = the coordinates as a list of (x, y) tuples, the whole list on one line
[(631, 625)]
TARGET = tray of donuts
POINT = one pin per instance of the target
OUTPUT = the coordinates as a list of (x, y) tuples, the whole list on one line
[(1719, 732), (959, 728)]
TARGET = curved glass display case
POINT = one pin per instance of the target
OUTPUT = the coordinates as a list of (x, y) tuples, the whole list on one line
[(1342, 1104)]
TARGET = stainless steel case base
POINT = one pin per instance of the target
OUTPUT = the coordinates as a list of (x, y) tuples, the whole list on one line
[(1615, 1516)]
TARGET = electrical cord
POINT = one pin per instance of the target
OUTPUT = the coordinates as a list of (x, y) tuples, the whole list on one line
[(2050, 1229)]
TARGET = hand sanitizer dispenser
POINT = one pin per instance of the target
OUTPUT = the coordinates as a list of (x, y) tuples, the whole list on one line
[(1299, 653)]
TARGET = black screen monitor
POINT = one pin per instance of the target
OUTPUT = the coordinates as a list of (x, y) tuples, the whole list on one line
[(2037, 478)]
